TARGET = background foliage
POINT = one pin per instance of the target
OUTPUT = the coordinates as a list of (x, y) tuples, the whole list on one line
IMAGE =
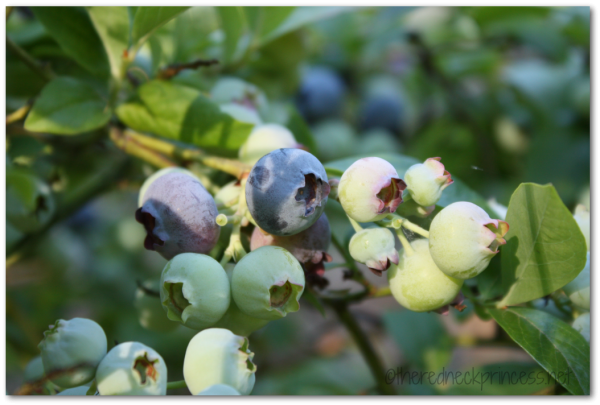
[(501, 94)]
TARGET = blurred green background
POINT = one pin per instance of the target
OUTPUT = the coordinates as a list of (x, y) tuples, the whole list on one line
[(502, 95)]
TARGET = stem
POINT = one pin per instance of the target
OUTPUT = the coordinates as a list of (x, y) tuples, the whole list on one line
[(415, 228), (18, 114), (382, 292), (405, 243), (173, 385), (230, 166), (134, 148), (365, 347), (355, 225), (28, 60)]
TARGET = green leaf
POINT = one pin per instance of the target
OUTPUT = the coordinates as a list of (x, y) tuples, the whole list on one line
[(313, 300), (300, 17), (148, 19), (555, 345), (545, 248), (234, 25), (428, 346), (491, 15), (112, 25), (264, 20), (72, 28), (184, 114), (67, 106)]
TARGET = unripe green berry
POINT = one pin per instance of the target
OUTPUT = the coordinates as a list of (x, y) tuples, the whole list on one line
[(33, 373), (227, 197), (582, 325), (150, 311), (217, 356), (578, 290), (374, 247), (426, 181), (264, 139), (370, 189), (72, 350), (219, 389), (418, 284), (268, 283), (132, 368), (29, 200), (241, 113), (463, 239), (235, 320), (194, 290)]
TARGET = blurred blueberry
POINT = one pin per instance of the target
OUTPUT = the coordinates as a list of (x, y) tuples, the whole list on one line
[(383, 111), (320, 95), (83, 218)]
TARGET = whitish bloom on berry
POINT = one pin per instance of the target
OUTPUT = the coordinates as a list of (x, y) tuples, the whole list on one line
[(426, 181), (132, 368), (463, 239), (374, 247), (578, 290), (194, 290), (148, 182), (268, 283), (418, 284), (217, 356), (72, 350), (370, 189)]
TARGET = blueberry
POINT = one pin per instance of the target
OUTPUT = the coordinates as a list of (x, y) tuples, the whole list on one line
[(179, 216), (286, 191), (383, 111), (320, 95)]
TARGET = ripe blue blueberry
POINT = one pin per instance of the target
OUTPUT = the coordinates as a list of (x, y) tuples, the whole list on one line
[(148, 182), (179, 216), (383, 111), (286, 191), (320, 95)]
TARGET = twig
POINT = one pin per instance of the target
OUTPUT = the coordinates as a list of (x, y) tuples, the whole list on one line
[(173, 385), (45, 74), (364, 345), (19, 114), (171, 70), (130, 146)]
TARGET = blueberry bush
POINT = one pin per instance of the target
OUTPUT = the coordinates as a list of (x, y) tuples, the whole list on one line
[(297, 200)]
